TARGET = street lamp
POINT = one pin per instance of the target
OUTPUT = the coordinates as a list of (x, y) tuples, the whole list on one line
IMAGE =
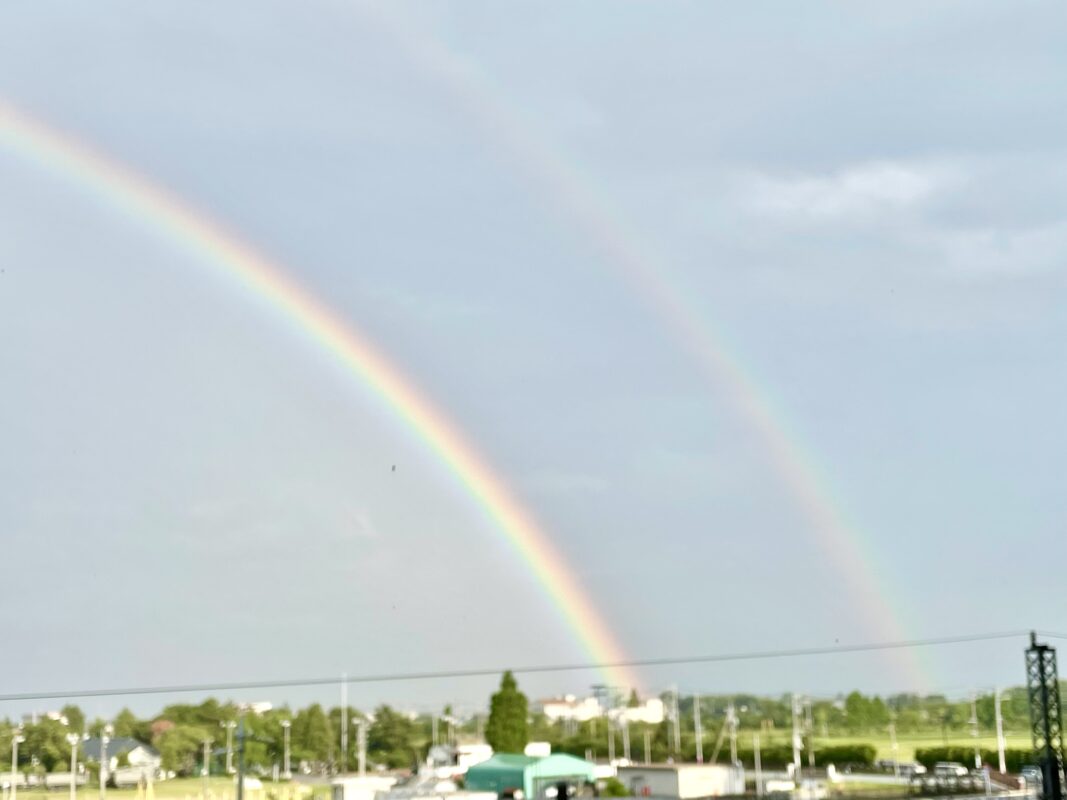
[(72, 740), (229, 726), (205, 770), (15, 741), (286, 773), (105, 737)]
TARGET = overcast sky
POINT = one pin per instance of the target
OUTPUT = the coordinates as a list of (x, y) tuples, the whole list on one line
[(867, 203)]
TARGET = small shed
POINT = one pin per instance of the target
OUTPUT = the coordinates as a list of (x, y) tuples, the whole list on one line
[(507, 773)]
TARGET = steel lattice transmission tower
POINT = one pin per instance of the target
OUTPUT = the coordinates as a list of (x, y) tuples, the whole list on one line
[(1042, 683)]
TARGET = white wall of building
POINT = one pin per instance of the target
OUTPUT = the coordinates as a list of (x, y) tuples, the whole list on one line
[(683, 781), (651, 712)]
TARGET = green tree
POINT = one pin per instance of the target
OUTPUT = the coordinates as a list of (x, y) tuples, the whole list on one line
[(126, 724), (392, 738), (180, 747), (75, 717), (47, 742), (507, 730), (312, 735), (634, 700)]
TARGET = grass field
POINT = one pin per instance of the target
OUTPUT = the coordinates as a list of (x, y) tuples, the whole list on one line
[(188, 789)]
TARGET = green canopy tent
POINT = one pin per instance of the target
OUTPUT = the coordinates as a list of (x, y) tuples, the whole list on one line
[(504, 773)]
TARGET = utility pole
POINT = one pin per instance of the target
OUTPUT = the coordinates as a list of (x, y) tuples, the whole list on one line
[(361, 743), (1046, 724), (344, 723), (611, 742), (697, 729), (757, 764), (974, 730), (105, 765), (626, 739), (648, 748), (893, 747), (286, 771), (433, 730), (810, 725), (677, 725), (796, 737), (241, 759), (1001, 761), (16, 739), (732, 718)]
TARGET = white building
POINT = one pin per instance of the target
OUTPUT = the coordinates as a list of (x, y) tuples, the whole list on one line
[(682, 781), (651, 712), (570, 707)]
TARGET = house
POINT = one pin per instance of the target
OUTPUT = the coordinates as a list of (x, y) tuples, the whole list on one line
[(129, 762), (507, 774)]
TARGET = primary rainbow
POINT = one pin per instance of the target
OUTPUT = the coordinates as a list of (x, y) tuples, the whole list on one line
[(573, 195), (155, 206)]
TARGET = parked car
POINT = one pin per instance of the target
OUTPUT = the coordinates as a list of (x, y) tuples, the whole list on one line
[(952, 769)]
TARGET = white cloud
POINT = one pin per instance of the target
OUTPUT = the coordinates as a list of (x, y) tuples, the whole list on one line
[(860, 190)]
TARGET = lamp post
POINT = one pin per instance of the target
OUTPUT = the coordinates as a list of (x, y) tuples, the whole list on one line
[(72, 740), (205, 770), (105, 737), (286, 773), (15, 741), (229, 726)]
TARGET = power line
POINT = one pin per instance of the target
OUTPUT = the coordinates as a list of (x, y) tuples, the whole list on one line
[(484, 671)]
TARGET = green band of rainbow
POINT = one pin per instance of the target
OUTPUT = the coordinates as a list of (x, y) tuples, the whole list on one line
[(154, 206)]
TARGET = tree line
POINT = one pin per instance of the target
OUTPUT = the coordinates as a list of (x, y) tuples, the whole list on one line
[(398, 740), (179, 732)]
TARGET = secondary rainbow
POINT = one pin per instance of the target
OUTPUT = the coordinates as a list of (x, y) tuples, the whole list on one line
[(151, 204), (573, 195)]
